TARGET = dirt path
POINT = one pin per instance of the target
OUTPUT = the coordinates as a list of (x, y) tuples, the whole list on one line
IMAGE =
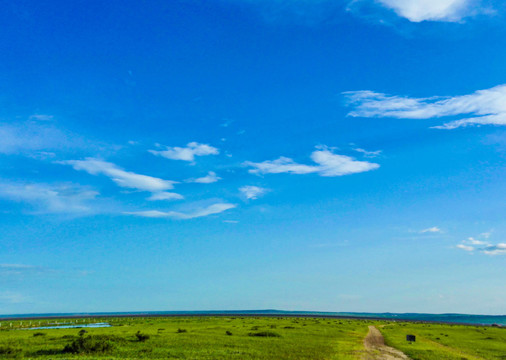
[(377, 350)]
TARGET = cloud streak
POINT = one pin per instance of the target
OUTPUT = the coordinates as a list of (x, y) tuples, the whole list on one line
[(483, 107), (433, 229), (164, 195), (327, 164), (50, 198), (121, 177), (206, 211)]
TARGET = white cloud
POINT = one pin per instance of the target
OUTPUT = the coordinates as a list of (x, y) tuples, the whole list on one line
[(59, 198), (121, 177), (252, 192), (473, 241), (431, 10), (485, 247), (211, 177), (328, 164), (187, 153), (281, 165), (164, 195), (331, 164), (206, 211), (483, 107), (465, 247), (433, 229)]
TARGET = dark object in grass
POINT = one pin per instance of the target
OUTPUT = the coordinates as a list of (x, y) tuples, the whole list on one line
[(288, 327), (10, 352), (411, 338), (179, 331), (82, 332), (265, 334), (141, 337), (89, 345), (39, 334), (228, 332)]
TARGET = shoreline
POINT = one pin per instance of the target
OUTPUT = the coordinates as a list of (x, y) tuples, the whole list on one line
[(394, 318)]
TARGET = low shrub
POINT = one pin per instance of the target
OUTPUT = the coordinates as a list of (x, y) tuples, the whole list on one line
[(179, 331), (265, 334), (39, 334), (141, 337), (11, 352), (89, 345), (228, 332)]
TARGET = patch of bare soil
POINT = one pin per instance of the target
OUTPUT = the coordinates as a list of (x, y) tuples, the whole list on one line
[(377, 350)]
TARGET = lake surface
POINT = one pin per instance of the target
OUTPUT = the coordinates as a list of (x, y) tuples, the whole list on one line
[(68, 326)]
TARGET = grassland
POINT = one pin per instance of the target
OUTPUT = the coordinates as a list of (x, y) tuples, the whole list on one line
[(447, 342), (243, 338)]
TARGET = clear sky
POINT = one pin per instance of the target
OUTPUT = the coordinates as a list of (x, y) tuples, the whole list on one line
[(330, 155)]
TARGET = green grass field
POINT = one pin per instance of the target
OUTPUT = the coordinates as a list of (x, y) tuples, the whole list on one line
[(243, 338), (447, 342)]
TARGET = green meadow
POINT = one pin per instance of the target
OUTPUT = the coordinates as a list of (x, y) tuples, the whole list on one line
[(447, 342), (242, 338)]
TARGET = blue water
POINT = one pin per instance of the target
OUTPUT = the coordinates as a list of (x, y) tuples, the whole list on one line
[(95, 325), (446, 318)]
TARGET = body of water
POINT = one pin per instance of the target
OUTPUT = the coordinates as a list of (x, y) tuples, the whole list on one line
[(446, 318), (95, 325)]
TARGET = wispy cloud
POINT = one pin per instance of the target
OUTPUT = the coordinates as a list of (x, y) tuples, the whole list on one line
[(50, 198), (41, 117), (252, 192), (211, 177), (483, 107), (465, 247), (433, 229), (328, 164), (432, 10), (119, 176), (187, 153), (19, 269), (10, 297), (15, 272), (31, 136), (206, 211), (472, 244), (369, 154), (164, 195)]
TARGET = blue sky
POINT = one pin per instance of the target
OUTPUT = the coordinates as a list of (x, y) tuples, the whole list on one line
[(249, 154)]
